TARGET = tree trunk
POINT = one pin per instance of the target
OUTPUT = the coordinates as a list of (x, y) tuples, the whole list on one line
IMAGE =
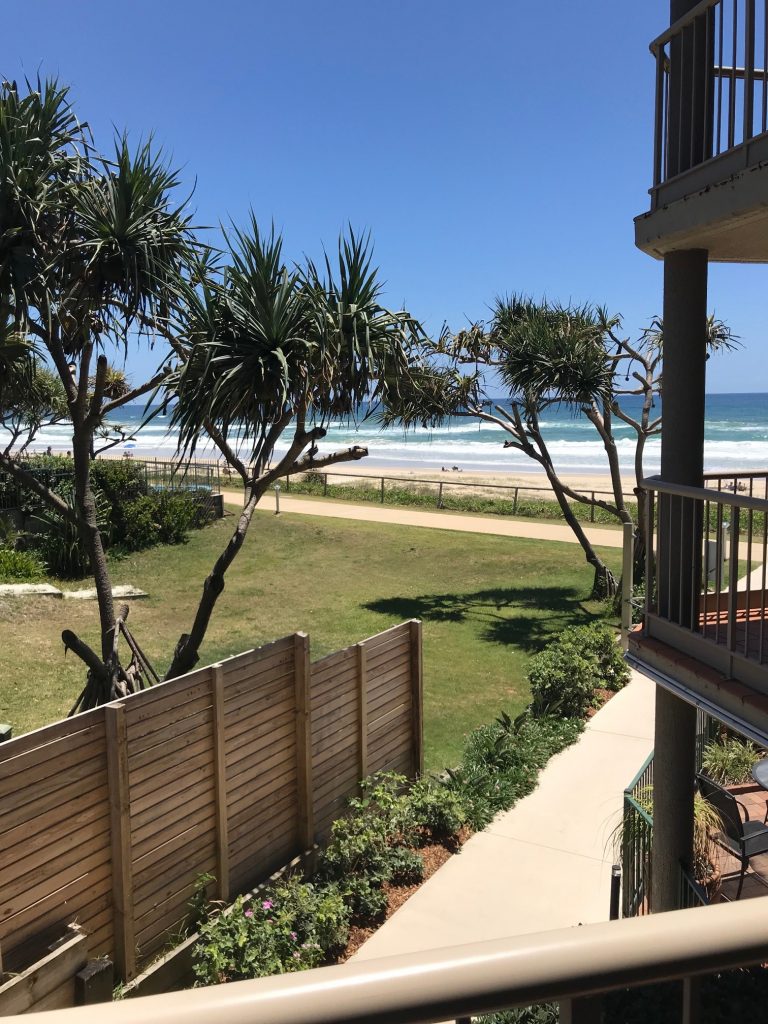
[(89, 531), (186, 655), (604, 584)]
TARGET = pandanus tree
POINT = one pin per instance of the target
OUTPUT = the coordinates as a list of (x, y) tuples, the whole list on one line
[(93, 249), (271, 353), (545, 355)]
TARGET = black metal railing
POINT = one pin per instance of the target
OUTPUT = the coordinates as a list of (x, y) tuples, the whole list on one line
[(707, 561), (637, 830), (711, 84)]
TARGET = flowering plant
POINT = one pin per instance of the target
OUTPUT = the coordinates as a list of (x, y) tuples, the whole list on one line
[(291, 929)]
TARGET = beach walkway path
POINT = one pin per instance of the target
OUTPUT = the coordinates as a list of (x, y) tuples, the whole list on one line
[(547, 862), (496, 525)]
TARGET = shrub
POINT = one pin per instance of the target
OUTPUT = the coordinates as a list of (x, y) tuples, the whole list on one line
[(20, 566), (358, 847), (502, 761), (176, 513), (365, 899), (563, 676), (730, 760), (405, 867), (59, 542), (291, 928), (121, 480), (162, 518), (439, 812)]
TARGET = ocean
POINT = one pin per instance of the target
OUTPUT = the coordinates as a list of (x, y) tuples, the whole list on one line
[(736, 437)]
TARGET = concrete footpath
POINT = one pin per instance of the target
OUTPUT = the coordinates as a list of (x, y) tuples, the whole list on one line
[(546, 863), (495, 525)]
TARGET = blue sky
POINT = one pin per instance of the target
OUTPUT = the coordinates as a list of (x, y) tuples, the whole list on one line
[(490, 147)]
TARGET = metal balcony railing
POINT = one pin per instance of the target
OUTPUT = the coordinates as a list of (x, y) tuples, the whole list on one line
[(711, 84), (707, 562)]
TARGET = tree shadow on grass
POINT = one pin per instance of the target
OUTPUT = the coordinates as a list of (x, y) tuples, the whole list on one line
[(501, 612)]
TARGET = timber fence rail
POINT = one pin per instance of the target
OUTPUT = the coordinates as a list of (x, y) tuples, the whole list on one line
[(110, 818)]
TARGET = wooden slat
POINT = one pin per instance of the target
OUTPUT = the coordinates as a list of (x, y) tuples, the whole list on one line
[(220, 784), (389, 659), (57, 758), (169, 824), (246, 672), (45, 907), (36, 832), (257, 655), (343, 678), (255, 715), (248, 703), (344, 751), (250, 800), (362, 725), (184, 788), (120, 813), (417, 700), (388, 639), (145, 742), (279, 752), (242, 821), (153, 788), (335, 704), (155, 771), (52, 851), (168, 872), (265, 736), (153, 761), (40, 738), (88, 777), (38, 882), (343, 719), (161, 695)]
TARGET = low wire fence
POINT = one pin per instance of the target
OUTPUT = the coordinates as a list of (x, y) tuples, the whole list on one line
[(453, 493)]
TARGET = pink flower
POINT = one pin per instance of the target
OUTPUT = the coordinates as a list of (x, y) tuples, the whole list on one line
[(249, 913), (267, 905), (294, 936)]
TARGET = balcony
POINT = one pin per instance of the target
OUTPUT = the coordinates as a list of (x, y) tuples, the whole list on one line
[(710, 173), (704, 632)]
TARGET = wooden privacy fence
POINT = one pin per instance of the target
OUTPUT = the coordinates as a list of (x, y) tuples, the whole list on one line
[(110, 818)]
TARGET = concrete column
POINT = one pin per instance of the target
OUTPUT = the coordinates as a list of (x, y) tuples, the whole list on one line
[(682, 461)]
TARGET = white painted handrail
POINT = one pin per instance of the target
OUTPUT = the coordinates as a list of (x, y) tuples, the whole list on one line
[(457, 981)]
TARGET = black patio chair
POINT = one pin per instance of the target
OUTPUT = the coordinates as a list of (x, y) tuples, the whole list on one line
[(740, 837)]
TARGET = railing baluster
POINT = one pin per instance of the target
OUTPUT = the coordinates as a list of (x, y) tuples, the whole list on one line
[(718, 569), (659, 118), (733, 578), (732, 75), (760, 657), (749, 68), (720, 79), (750, 520)]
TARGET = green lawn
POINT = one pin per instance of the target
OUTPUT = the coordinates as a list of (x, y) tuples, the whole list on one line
[(487, 604)]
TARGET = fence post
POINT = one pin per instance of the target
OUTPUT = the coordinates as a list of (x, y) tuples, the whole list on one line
[(302, 687), (592, 508), (382, 490), (120, 835), (362, 696), (220, 783), (417, 698), (514, 501), (440, 495), (325, 485)]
